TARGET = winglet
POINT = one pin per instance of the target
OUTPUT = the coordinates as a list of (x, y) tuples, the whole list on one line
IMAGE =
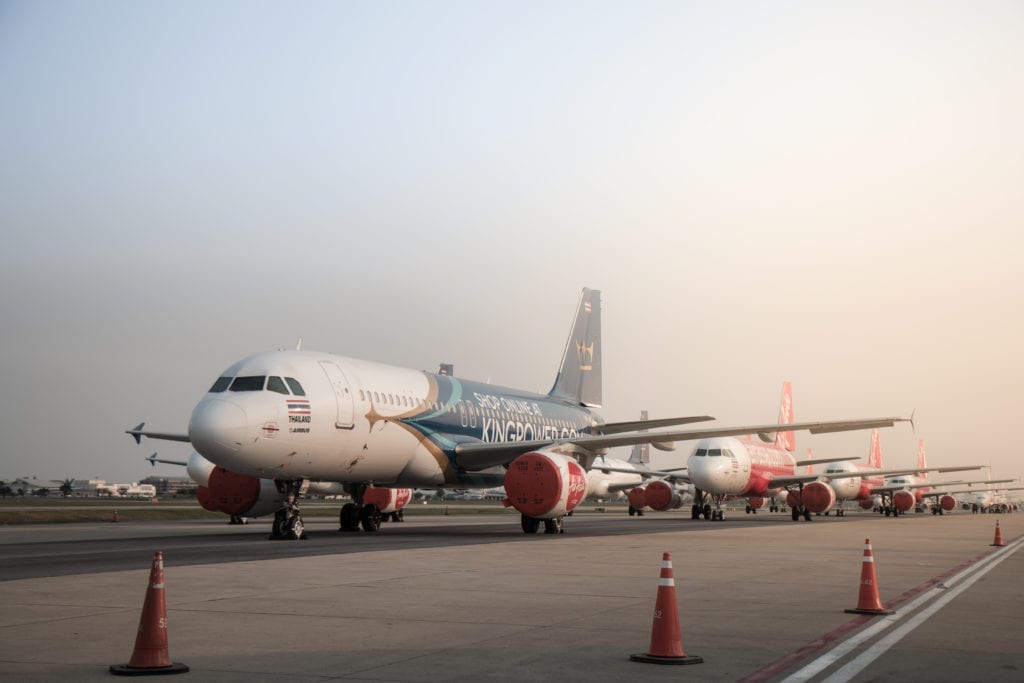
[(137, 433), (152, 460), (911, 420)]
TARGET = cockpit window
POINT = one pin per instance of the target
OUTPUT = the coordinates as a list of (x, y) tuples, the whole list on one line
[(295, 386), (712, 452), (252, 383), (701, 452), (220, 385), (276, 384)]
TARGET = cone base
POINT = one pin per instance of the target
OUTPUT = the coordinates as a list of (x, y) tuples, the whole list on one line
[(655, 659), (870, 611), (996, 545), (125, 670)]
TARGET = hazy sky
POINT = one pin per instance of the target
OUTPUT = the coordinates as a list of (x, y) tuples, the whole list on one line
[(830, 193)]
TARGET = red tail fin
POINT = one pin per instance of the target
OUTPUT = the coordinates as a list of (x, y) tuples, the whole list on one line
[(786, 439), (922, 460), (875, 456)]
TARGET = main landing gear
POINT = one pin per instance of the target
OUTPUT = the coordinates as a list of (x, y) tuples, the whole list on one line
[(355, 515), (797, 513), (531, 525), (288, 520)]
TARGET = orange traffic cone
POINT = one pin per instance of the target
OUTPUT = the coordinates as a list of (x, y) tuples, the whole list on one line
[(666, 643), (868, 602), (150, 656), (115, 519), (998, 542)]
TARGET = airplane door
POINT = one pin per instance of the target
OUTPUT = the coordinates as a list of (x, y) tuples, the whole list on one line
[(346, 413)]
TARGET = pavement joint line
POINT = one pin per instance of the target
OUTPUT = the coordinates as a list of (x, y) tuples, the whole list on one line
[(978, 568)]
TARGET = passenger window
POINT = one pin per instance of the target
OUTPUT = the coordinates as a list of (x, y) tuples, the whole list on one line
[(294, 385), (362, 396), (376, 397), (277, 384), (253, 383), (220, 385)]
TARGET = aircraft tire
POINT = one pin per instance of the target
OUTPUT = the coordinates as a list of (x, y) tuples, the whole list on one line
[(349, 517), (530, 524), (294, 529), (795, 514), (369, 517)]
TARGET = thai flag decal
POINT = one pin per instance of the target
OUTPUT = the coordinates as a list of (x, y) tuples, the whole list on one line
[(298, 406)]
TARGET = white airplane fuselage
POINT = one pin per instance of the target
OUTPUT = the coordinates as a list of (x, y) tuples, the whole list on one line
[(308, 415), (741, 467)]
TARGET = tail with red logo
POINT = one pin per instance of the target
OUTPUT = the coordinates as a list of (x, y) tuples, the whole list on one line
[(786, 440), (875, 456), (922, 459)]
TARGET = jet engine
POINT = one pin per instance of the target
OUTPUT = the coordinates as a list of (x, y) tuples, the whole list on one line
[(755, 503), (637, 498), (818, 497), (239, 494), (387, 500), (903, 500), (867, 504), (793, 499), (544, 485), (947, 503), (662, 496)]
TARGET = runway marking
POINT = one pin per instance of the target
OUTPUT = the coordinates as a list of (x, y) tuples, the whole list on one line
[(941, 594), (837, 634)]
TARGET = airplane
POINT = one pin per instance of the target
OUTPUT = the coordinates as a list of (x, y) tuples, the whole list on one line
[(853, 481), (943, 501), (756, 468), (288, 417), (613, 478), (902, 492)]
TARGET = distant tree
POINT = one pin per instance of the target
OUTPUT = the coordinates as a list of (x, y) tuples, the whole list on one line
[(5, 490), (42, 492), (66, 488), (21, 492)]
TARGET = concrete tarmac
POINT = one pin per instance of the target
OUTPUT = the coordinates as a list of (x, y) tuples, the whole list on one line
[(760, 598)]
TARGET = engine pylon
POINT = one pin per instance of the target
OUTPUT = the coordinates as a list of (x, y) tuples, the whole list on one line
[(150, 656), (666, 642), (868, 600), (998, 541)]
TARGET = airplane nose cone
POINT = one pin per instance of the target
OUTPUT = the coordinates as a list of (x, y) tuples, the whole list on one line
[(217, 426)]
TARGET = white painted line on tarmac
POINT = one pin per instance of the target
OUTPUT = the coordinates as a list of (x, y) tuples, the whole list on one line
[(942, 594)]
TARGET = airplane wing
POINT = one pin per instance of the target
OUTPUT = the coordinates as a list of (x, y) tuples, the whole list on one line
[(635, 425), (138, 433), (670, 475), (479, 455), (939, 494), (801, 463)]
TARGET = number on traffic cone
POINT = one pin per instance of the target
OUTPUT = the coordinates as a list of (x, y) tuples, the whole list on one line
[(666, 643), (998, 542), (868, 601), (150, 654)]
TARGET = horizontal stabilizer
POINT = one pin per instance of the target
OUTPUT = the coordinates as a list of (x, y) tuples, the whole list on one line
[(138, 433)]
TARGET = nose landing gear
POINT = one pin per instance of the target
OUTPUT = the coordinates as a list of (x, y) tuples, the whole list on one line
[(288, 520)]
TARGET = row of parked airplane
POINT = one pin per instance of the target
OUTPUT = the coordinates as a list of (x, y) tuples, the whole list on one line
[(277, 425)]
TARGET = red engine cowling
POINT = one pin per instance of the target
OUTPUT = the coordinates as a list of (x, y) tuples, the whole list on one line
[(662, 496), (818, 496), (793, 499), (387, 500), (755, 503), (545, 485), (903, 500), (637, 498), (239, 494), (867, 504), (947, 503)]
